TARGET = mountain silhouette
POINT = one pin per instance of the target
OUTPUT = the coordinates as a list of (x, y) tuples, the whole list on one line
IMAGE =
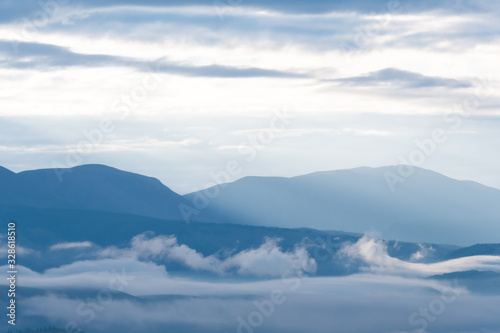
[(90, 187), (426, 207)]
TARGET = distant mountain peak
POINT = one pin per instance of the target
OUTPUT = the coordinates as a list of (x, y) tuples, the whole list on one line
[(426, 206), (5, 171), (93, 187)]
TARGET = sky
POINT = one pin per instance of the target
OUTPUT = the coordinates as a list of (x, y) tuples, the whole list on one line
[(178, 89)]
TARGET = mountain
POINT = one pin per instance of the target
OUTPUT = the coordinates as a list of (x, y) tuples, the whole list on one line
[(90, 187), (426, 207), (485, 282), (477, 250), (40, 228)]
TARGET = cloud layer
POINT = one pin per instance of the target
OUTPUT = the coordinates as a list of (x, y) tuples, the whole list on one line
[(129, 287), (374, 255), (403, 79), (267, 260), (384, 304)]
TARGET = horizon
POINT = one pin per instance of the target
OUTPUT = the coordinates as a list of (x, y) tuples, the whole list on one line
[(206, 186)]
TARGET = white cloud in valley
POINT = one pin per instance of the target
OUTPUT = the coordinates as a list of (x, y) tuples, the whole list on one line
[(374, 254)]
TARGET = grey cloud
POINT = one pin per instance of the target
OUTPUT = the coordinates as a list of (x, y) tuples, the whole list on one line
[(244, 25), (13, 11), (347, 304), (466, 35), (46, 57), (320, 33), (403, 79)]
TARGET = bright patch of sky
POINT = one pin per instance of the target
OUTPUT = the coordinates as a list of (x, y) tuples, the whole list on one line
[(183, 85)]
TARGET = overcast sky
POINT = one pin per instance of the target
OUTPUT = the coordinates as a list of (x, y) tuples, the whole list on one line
[(177, 89)]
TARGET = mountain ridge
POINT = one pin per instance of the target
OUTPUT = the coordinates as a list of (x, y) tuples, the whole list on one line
[(427, 207), (95, 187), (427, 204)]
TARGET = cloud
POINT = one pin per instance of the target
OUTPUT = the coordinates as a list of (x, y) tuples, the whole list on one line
[(143, 295), (137, 145), (382, 304), (20, 250), (267, 260), (366, 132), (373, 253), (48, 57), (423, 253), (161, 247), (402, 79), (99, 273), (328, 27), (285, 132), (70, 245), (14, 11), (300, 132)]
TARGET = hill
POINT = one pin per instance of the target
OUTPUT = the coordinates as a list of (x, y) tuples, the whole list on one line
[(90, 187), (427, 207)]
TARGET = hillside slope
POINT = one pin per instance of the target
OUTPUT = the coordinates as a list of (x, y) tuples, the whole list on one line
[(90, 187), (427, 207)]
